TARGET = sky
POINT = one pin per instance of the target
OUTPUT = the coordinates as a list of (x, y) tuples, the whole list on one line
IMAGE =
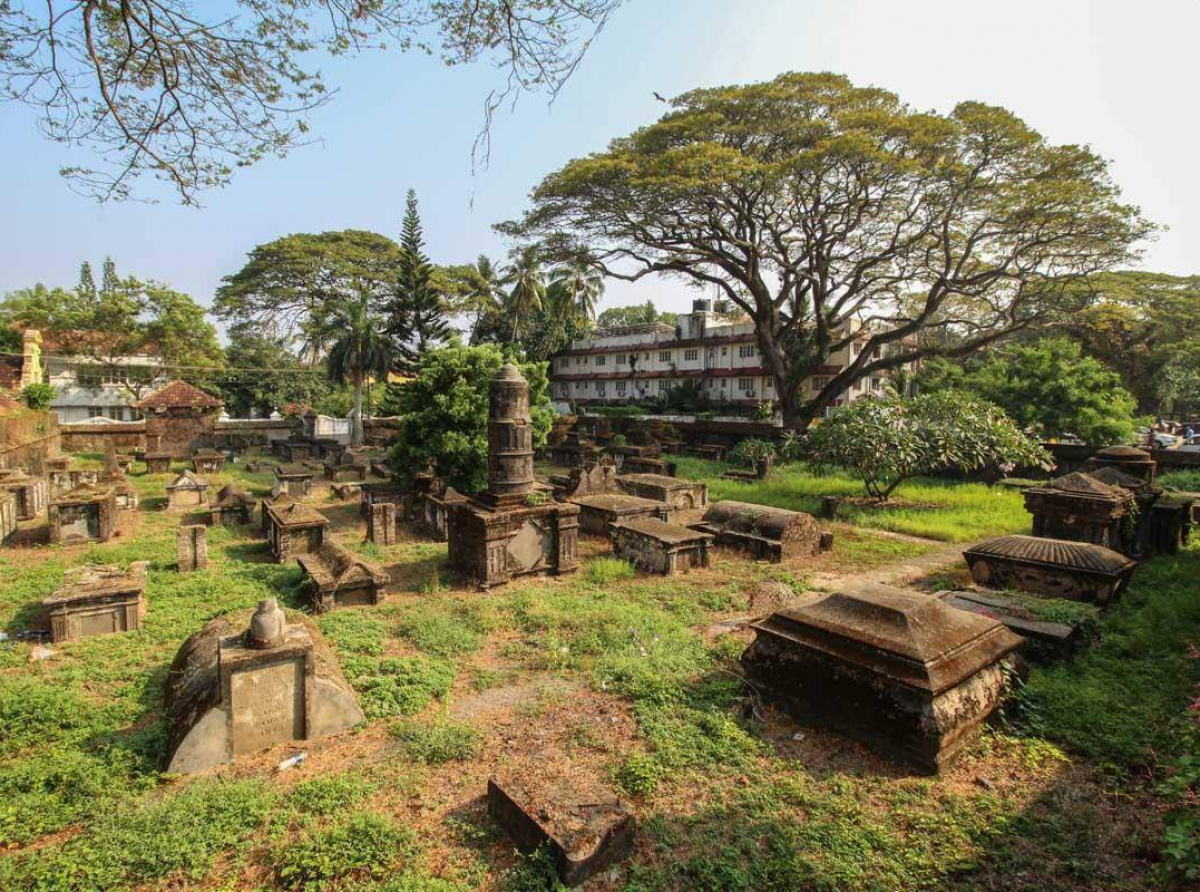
[(1115, 76)]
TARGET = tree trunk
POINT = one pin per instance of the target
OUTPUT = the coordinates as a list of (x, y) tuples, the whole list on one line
[(356, 425)]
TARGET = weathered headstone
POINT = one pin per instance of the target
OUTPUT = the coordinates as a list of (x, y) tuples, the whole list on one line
[(85, 514), (191, 547), (97, 600), (768, 533), (187, 491), (658, 547), (381, 523), (336, 577)]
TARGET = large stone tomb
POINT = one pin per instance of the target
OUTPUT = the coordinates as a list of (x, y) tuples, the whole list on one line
[(347, 465), (233, 690), (86, 514), (8, 516), (191, 547), (207, 461), (58, 472), (658, 547), (158, 462), (436, 507), (772, 534), (375, 493), (233, 506), (97, 600), (336, 577), (1056, 568), (292, 529), (292, 480), (1080, 508), (293, 449), (32, 493), (686, 495), (1127, 459), (511, 529), (187, 491), (381, 524), (594, 488), (900, 671), (1043, 639), (642, 464), (583, 831)]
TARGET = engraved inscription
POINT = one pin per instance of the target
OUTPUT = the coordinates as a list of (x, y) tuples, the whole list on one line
[(268, 705)]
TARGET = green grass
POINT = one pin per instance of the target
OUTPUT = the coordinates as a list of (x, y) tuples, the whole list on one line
[(360, 845), (949, 511), (436, 742)]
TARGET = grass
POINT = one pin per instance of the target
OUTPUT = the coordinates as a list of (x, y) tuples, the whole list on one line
[(640, 691), (949, 511)]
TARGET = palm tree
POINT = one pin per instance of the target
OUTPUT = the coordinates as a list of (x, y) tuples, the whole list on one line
[(359, 348), (582, 285), (524, 273), (484, 292)]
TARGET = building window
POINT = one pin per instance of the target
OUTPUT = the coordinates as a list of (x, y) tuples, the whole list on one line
[(745, 384), (578, 360), (691, 355), (820, 383), (876, 383), (724, 351), (95, 411), (578, 386), (724, 383), (116, 413), (747, 350), (620, 388), (600, 386), (621, 358), (664, 356), (601, 360)]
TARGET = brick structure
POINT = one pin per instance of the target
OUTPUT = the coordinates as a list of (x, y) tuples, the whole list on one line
[(8, 516), (237, 688), (97, 600), (511, 529), (1080, 508), (602, 503), (439, 501), (158, 462), (58, 471), (233, 506), (772, 534), (1127, 459), (293, 529), (191, 547), (376, 493), (685, 495), (658, 547), (1077, 571), (292, 480), (187, 491), (381, 523), (295, 448), (32, 493), (347, 465), (207, 461), (179, 417), (336, 577), (903, 672), (639, 464), (86, 514)]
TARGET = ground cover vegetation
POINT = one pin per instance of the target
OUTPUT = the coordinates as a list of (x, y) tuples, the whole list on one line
[(1087, 776)]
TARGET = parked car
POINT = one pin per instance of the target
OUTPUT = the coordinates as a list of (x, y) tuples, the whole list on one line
[(1162, 440), (1192, 445)]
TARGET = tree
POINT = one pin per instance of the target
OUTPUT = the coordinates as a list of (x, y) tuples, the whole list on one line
[(188, 93), (359, 349), (474, 290), (417, 315), (526, 278), (445, 412), (1138, 324), (1050, 388), (575, 289), (635, 314), (887, 441), (262, 375), (283, 289), (86, 288), (811, 205)]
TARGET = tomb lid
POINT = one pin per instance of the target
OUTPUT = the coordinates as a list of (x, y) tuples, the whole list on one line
[(1114, 476), (291, 513), (231, 496), (1125, 454), (670, 533), (188, 480), (334, 566), (85, 492), (294, 470), (1081, 484), (656, 480), (1081, 556), (613, 502), (98, 581), (206, 452), (913, 639)]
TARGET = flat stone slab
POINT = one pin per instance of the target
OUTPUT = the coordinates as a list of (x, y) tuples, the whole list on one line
[(585, 833)]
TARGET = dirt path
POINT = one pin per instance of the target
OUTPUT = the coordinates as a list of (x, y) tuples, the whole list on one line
[(902, 572)]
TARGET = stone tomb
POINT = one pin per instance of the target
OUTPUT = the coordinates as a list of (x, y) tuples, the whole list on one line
[(1127, 459), (1043, 640), (191, 547), (771, 534), (292, 480), (32, 493), (381, 524), (86, 514), (658, 547), (594, 488), (207, 461), (511, 530), (349, 465), (436, 508), (125, 494), (158, 462), (1056, 568), (293, 449), (233, 690), (187, 491), (1080, 508), (685, 495), (903, 672), (58, 471), (641, 464), (233, 506), (336, 577), (97, 600), (292, 529), (8, 515), (376, 493)]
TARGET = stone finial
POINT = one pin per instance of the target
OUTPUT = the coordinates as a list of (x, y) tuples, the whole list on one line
[(266, 626)]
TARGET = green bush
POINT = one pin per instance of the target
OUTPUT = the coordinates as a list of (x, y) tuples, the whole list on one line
[(1181, 818), (437, 742), (398, 685), (749, 452), (360, 846), (605, 570), (639, 775), (38, 397)]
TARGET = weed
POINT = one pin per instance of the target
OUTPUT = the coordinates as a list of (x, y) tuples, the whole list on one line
[(359, 846), (328, 795), (639, 775), (398, 685), (437, 742), (607, 570), (445, 628)]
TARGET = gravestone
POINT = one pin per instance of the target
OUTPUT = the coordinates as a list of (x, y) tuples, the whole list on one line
[(233, 506), (32, 493), (767, 533), (336, 577), (97, 600), (292, 480), (158, 462), (292, 529), (191, 547), (658, 547), (8, 516), (187, 491), (85, 514), (1054, 568), (381, 523)]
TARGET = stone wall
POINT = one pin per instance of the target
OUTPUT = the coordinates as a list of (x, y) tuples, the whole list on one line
[(84, 437), (27, 439)]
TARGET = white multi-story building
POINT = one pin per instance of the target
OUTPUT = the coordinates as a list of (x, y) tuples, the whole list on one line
[(635, 363)]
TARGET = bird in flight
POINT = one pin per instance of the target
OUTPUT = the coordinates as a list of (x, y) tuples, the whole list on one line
[(659, 96)]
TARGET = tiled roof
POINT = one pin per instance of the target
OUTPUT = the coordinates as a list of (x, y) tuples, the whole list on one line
[(178, 395)]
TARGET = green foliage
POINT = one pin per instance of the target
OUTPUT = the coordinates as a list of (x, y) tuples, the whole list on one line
[(1051, 388), (640, 775), (1187, 480), (445, 414), (437, 742), (325, 796), (445, 628), (38, 397), (1181, 817), (357, 349), (398, 685), (634, 314), (887, 441), (264, 375), (749, 452), (416, 310), (607, 570), (358, 846), (533, 872), (353, 632)]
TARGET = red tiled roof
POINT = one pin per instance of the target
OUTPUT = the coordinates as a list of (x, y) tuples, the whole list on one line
[(178, 395)]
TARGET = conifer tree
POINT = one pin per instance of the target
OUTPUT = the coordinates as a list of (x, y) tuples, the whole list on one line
[(87, 282), (110, 282), (417, 317)]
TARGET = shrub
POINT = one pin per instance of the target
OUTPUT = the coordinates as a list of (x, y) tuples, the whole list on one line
[(398, 685), (639, 775), (750, 452), (38, 397), (437, 742), (360, 846), (604, 570)]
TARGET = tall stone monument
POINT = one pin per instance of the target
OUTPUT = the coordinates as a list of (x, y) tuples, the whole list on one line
[(513, 528)]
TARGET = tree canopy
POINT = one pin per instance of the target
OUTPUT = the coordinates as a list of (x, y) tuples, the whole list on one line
[(189, 92), (812, 204), (634, 314), (417, 313)]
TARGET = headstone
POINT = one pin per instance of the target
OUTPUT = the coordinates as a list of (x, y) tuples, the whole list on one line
[(191, 548), (292, 529), (381, 523), (336, 577), (187, 491), (85, 514), (686, 495)]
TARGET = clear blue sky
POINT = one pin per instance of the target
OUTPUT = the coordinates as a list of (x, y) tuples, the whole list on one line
[(1117, 76)]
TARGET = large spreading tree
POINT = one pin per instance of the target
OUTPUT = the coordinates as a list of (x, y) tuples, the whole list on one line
[(812, 204)]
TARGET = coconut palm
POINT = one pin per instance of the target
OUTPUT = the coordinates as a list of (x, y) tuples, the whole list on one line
[(527, 282), (581, 287), (484, 292), (358, 349)]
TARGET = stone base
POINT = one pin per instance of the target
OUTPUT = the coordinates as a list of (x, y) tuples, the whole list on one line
[(657, 547), (598, 514), (493, 547)]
